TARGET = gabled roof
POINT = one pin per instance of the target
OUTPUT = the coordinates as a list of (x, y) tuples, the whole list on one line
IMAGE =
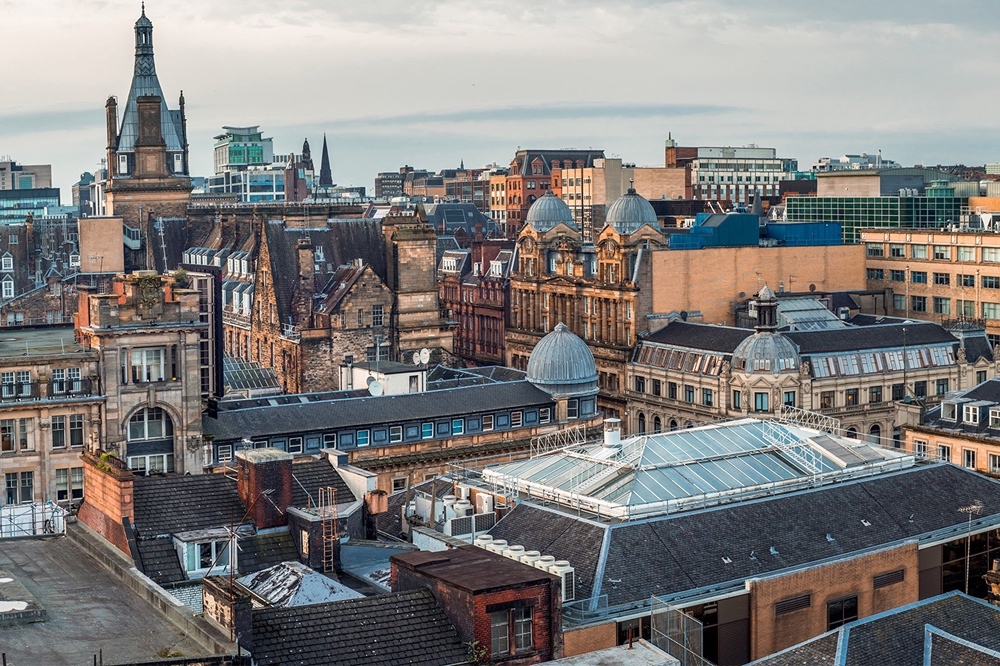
[(700, 336), (394, 629), (311, 474), (170, 504), (871, 337), (338, 287), (948, 629)]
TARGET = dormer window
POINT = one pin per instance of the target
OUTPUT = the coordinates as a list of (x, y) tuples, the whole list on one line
[(8, 287), (970, 414), (8, 263), (123, 165), (995, 417), (949, 410)]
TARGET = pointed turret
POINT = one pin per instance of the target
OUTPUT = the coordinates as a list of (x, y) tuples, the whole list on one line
[(325, 175), (307, 154)]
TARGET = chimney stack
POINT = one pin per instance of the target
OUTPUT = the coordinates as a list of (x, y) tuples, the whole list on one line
[(264, 483)]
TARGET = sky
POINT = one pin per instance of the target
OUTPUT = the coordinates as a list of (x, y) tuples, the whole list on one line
[(436, 82)]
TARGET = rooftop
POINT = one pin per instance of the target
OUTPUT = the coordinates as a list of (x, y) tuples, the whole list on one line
[(18, 342), (475, 570), (693, 468), (70, 585)]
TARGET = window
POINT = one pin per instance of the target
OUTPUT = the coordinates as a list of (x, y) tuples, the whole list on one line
[(515, 419), (225, 453), (62, 485), (76, 430), (965, 308), (875, 249), (150, 424), (58, 432), (966, 280), (672, 390), (487, 422), (966, 254), (918, 251), (897, 250), (826, 399), (980, 376), (544, 415), (899, 301), (706, 397), (876, 274), (207, 555), (361, 438), (377, 315), (20, 487), (159, 463), (8, 263), (969, 458), (898, 391), (994, 463), (510, 629), (942, 252), (361, 317), (657, 387), (942, 278), (920, 389), (944, 453), (426, 430), (942, 305), (941, 386), (897, 276), (395, 434), (8, 288), (788, 398), (457, 426), (398, 484), (991, 310), (841, 611), (147, 364), (640, 384), (918, 303), (737, 399), (573, 408), (918, 277), (875, 394), (688, 393), (760, 401)]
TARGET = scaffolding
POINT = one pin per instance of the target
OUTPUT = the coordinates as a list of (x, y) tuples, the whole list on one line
[(555, 441), (677, 633), (803, 418), (327, 512)]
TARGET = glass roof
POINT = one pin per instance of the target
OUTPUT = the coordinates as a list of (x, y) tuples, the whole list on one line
[(693, 466)]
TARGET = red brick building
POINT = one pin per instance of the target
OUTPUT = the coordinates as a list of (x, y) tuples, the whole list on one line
[(530, 176)]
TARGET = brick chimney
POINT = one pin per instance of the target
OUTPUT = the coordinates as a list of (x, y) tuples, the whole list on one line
[(109, 498), (264, 483)]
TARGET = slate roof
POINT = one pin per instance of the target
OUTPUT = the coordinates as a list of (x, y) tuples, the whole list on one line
[(526, 157), (391, 522), (870, 337), (678, 553), (404, 628), (233, 424), (700, 336), (309, 475), (960, 629), (341, 242), (988, 392)]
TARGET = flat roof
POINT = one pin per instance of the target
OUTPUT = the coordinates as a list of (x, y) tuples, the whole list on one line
[(71, 586), (472, 569), (19, 342)]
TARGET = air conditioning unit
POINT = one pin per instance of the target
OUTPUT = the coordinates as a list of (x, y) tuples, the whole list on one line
[(567, 575), (530, 557), (514, 552), (483, 541), (497, 546), (464, 492), (545, 562), (484, 503)]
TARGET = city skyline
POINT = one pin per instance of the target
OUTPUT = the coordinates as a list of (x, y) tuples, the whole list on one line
[(449, 81)]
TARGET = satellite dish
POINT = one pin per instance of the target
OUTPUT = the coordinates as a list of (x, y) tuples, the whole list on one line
[(416, 358), (425, 356), (371, 380), (375, 388)]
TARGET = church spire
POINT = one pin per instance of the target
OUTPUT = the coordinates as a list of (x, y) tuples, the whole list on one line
[(325, 175)]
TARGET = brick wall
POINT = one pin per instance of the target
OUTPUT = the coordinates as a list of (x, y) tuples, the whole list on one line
[(771, 633), (590, 639), (109, 487)]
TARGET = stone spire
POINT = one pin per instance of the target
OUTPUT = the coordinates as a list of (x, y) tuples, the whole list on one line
[(325, 175)]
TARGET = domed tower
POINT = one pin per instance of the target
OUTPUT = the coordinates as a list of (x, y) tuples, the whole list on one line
[(549, 211), (766, 362), (562, 365), (630, 213)]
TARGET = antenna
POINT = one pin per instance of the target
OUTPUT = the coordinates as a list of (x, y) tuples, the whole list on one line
[(425, 355), (416, 358), (375, 388)]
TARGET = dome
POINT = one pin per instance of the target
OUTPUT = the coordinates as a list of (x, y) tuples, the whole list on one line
[(766, 353), (561, 364), (143, 22), (548, 211), (630, 212)]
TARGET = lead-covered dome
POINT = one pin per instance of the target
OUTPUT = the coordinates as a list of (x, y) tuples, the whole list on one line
[(630, 212), (561, 364), (766, 354), (548, 211)]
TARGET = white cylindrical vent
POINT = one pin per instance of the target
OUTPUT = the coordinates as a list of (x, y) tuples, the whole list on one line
[(545, 562), (483, 541), (514, 552), (559, 566), (530, 557), (498, 546), (612, 433), (463, 508), (449, 500)]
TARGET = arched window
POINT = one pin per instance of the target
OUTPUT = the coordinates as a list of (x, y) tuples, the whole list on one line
[(875, 434), (852, 432), (673, 424), (642, 423), (657, 427), (150, 423)]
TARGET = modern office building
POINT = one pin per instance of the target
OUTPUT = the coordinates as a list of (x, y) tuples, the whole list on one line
[(736, 174), (239, 148), (14, 176)]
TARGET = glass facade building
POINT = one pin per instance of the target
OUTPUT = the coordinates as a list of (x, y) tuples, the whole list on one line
[(15, 205), (858, 213)]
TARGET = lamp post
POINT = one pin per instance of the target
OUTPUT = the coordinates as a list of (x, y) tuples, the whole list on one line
[(975, 508)]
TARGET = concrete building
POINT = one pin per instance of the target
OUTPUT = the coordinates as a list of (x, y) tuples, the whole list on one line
[(389, 184), (686, 373), (51, 406), (14, 176), (864, 161), (735, 174), (938, 275)]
